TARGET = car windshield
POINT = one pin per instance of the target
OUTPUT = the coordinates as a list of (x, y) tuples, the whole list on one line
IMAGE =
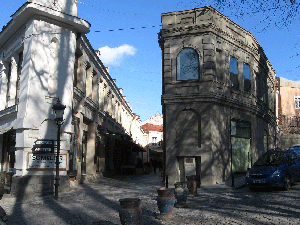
[(271, 159)]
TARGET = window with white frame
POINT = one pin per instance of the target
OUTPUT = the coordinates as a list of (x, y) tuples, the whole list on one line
[(154, 141), (297, 102)]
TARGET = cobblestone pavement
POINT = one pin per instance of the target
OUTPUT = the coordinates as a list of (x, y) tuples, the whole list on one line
[(97, 203)]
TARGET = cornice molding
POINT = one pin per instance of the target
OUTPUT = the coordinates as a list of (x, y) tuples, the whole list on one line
[(221, 99)]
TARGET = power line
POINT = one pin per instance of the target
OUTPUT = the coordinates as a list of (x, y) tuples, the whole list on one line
[(132, 28)]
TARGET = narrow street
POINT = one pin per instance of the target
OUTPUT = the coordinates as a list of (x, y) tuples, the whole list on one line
[(97, 203)]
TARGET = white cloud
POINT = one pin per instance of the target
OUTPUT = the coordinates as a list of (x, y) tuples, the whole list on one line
[(114, 56)]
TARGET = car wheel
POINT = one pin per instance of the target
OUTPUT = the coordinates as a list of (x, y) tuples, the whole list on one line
[(287, 182)]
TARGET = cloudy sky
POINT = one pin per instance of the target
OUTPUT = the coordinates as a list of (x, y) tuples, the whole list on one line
[(116, 55), (126, 33)]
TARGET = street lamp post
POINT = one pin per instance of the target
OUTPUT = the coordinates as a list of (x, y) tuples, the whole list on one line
[(58, 109)]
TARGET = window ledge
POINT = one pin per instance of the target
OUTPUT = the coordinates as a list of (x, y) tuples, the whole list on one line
[(8, 111)]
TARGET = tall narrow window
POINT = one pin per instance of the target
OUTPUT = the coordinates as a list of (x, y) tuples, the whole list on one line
[(259, 89), (187, 65), (265, 90), (8, 82), (75, 69), (234, 74), (19, 70), (247, 78)]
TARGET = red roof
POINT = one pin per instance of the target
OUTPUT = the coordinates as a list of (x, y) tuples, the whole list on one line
[(152, 127)]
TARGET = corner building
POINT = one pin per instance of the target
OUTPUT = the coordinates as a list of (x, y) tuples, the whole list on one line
[(45, 55), (217, 98)]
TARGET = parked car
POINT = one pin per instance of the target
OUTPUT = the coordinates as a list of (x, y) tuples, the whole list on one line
[(296, 149), (275, 168)]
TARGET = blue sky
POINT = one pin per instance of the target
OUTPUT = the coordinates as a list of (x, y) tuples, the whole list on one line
[(134, 57)]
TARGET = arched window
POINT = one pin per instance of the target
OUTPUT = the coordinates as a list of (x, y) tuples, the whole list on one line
[(187, 65)]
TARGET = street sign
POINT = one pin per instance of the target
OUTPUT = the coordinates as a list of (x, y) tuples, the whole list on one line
[(43, 146)]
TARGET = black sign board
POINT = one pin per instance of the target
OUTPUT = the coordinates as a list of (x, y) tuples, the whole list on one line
[(43, 146)]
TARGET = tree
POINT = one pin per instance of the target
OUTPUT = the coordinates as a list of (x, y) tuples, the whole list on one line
[(280, 12)]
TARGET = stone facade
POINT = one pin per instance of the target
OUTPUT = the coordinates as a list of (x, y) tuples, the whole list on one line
[(45, 55), (217, 98)]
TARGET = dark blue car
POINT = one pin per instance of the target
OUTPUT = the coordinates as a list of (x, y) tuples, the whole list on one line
[(275, 168)]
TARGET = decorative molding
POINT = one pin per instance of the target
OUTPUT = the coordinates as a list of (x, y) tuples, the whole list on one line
[(8, 111)]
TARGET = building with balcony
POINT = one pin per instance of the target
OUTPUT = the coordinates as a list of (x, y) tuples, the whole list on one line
[(45, 55), (217, 99)]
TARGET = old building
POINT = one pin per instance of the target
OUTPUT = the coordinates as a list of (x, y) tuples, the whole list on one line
[(45, 55), (217, 99), (288, 112), (153, 134)]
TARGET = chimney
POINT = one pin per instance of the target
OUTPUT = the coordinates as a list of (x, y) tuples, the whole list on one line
[(107, 69), (121, 91)]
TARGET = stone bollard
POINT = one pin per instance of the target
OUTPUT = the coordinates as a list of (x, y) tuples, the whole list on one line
[(130, 211), (192, 184), (181, 193), (165, 203), (3, 216)]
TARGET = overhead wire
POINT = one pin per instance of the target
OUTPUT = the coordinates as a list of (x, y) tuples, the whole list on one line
[(131, 28)]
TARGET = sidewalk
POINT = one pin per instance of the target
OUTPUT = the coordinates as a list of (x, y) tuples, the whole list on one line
[(151, 179), (98, 203)]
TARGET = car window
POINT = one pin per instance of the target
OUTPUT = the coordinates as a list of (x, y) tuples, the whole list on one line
[(297, 151), (271, 159), (293, 156)]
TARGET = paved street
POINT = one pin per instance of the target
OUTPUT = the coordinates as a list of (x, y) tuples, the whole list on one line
[(97, 203)]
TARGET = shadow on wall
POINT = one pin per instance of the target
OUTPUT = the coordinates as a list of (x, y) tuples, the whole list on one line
[(52, 81)]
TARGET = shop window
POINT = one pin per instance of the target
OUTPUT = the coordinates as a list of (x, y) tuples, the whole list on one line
[(234, 77), (187, 65), (247, 78)]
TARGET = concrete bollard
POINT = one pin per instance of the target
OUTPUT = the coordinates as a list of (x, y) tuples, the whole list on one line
[(3, 215)]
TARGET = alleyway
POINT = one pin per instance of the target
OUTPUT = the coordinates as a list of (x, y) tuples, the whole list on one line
[(97, 203)]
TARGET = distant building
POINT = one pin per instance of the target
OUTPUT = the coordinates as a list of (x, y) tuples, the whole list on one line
[(45, 55), (288, 112), (153, 133), (217, 98)]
